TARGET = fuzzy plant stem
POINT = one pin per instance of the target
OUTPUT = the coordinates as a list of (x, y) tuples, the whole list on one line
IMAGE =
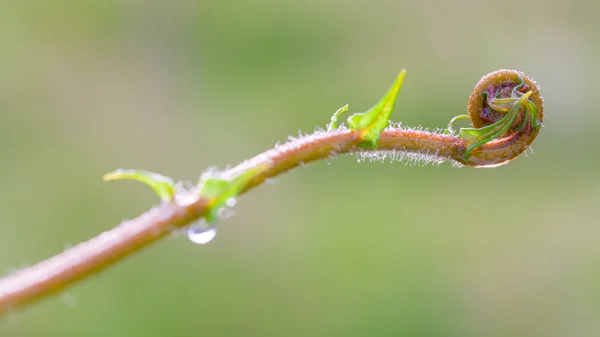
[(186, 206)]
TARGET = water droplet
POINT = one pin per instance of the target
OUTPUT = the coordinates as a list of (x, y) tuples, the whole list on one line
[(201, 235), (231, 202), (271, 181), (225, 213), (68, 299)]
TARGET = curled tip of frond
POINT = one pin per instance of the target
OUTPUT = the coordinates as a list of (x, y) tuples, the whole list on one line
[(507, 111)]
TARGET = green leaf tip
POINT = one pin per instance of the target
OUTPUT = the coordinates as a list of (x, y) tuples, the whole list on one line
[(163, 186), (477, 137), (371, 123), (219, 189), (454, 120), (334, 118)]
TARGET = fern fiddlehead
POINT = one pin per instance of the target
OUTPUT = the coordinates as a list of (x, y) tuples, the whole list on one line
[(505, 108), (491, 102)]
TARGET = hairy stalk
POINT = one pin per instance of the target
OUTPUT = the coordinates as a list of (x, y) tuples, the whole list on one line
[(506, 110)]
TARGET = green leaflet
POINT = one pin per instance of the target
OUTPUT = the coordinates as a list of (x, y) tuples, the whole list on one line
[(371, 123), (213, 186), (454, 120), (502, 104), (220, 189), (334, 118), (477, 137), (163, 186), (534, 121)]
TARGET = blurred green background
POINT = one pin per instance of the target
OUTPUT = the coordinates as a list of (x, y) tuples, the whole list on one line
[(338, 249)]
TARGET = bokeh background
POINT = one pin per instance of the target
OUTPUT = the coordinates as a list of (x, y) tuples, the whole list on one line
[(334, 249)]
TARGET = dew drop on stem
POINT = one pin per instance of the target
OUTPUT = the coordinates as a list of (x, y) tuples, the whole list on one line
[(201, 233), (231, 202)]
